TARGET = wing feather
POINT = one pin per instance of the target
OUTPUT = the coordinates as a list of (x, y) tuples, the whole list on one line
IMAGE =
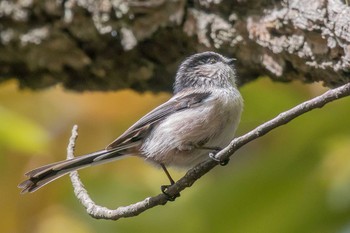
[(145, 124)]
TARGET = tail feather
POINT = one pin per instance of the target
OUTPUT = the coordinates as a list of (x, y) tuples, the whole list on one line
[(45, 174)]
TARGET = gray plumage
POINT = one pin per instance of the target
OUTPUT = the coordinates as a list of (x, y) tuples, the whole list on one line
[(203, 113)]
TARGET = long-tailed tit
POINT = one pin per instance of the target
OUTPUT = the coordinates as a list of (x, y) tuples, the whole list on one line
[(202, 115)]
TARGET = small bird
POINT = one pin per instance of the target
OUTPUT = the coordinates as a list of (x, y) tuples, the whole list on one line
[(202, 115)]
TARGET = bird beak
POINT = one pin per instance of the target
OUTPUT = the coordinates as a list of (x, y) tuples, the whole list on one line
[(230, 61)]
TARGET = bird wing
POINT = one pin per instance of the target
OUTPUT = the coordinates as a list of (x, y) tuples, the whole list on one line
[(142, 127)]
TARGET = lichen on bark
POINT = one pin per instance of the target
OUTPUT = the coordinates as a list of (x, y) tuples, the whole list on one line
[(115, 44)]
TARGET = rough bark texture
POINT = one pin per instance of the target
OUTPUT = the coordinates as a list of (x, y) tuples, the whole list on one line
[(114, 44)]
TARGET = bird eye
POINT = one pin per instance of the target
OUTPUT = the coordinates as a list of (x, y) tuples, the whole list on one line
[(211, 61)]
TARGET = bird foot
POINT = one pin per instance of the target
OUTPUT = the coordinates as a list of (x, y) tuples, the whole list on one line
[(223, 162), (164, 188)]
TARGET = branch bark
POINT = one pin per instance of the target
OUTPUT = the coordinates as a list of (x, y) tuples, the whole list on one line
[(110, 45), (201, 169)]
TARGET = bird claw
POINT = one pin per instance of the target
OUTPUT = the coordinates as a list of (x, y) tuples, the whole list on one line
[(169, 197), (223, 162)]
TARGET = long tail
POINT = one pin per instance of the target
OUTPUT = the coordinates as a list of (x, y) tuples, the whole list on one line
[(45, 174)]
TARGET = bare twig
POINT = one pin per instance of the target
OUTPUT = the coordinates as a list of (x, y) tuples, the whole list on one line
[(199, 170), (79, 190)]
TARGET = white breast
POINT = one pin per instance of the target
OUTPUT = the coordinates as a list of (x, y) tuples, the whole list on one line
[(214, 121)]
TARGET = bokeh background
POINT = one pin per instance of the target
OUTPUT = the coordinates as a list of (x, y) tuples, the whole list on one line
[(294, 179)]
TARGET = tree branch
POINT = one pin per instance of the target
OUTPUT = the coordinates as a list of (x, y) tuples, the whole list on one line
[(70, 42), (199, 170)]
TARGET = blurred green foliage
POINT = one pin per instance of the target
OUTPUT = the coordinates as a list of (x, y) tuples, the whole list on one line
[(20, 134), (294, 179)]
